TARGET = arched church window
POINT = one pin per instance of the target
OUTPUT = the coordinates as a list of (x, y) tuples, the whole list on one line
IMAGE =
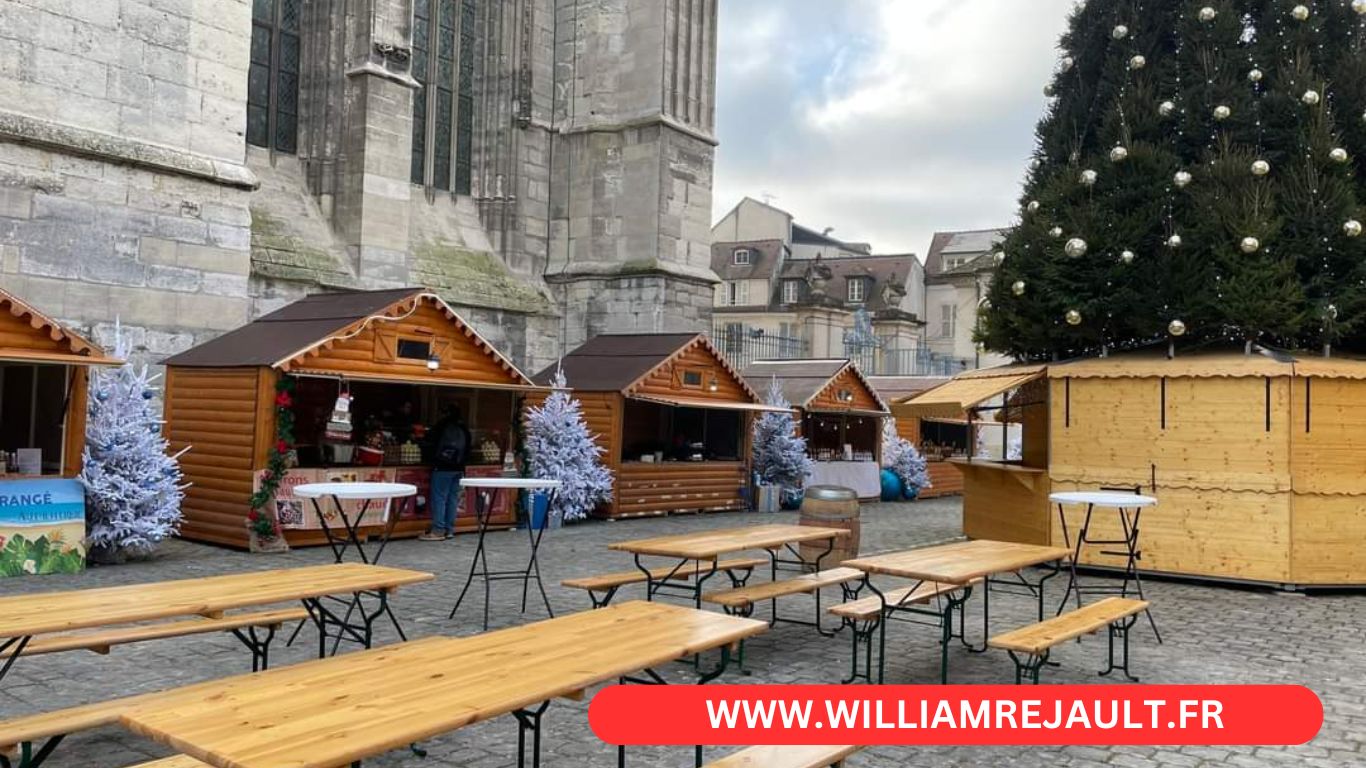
[(273, 77)]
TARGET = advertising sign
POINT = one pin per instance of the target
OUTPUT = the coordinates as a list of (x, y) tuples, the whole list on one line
[(42, 527)]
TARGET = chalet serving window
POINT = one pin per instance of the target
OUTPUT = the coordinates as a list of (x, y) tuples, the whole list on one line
[(857, 290), (692, 379), (742, 257), (273, 76), (792, 291), (443, 105), (414, 349)]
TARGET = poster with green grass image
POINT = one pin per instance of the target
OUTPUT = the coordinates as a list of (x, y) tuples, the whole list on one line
[(42, 527)]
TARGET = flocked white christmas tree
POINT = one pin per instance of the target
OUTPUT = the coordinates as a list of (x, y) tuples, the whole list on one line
[(901, 456), (560, 447), (779, 453), (133, 486)]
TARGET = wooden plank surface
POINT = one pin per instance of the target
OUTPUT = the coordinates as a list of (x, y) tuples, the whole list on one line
[(1037, 638), (961, 562), (326, 713), (44, 612), (708, 545), (101, 641), (807, 582), (809, 756)]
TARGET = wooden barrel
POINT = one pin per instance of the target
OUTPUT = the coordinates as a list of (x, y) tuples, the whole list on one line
[(831, 506)]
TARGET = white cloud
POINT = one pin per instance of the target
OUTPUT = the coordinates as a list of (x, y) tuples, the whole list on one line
[(887, 119)]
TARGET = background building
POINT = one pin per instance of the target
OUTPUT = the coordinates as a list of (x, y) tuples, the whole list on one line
[(958, 270), (186, 166)]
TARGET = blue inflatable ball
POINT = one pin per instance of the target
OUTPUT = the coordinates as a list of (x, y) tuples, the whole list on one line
[(911, 492), (791, 498), (891, 486)]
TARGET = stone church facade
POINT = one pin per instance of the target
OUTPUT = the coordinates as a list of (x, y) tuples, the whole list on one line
[(183, 166)]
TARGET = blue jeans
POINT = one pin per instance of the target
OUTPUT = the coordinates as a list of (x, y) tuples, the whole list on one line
[(445, 499)]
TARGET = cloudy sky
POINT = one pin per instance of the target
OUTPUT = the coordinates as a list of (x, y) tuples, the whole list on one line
[(885, 119)]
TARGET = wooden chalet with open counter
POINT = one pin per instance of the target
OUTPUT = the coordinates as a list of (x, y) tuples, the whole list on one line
[(840, 415), (673, 416), (349, 382)]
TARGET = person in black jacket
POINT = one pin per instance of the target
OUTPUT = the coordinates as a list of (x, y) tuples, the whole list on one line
[(448, 450)]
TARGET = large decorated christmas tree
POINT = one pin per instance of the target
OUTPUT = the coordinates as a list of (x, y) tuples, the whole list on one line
[(1199, 176)]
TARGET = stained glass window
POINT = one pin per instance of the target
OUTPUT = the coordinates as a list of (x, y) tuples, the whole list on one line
[(273, 76), (443, 63)]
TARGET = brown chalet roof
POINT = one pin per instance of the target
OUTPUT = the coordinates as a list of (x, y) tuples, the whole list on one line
[(802, 380), (613, 362)]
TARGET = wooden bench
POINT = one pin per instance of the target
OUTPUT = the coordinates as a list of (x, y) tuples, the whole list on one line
[(104, 640), (786, 757), (867, 608), (1029, 646), (740, 601), (602, 588), (863, 617), (178, 761)]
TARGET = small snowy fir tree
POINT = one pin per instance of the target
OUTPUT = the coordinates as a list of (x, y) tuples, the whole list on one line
[(901, 456), (560, 447), (779, 453), (133, 486)]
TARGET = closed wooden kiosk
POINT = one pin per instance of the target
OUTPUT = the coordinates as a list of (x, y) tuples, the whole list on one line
[(673, 417), (401, 356), (840, 415), (1256, 461)]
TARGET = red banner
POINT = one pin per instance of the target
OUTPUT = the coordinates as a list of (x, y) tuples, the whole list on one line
[(953, 715)]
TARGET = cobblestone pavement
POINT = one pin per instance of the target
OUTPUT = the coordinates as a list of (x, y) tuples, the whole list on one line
[(1213, 635)]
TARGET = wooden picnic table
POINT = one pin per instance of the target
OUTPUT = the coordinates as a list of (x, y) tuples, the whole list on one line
[(963, 564), (331, 712), (708, 546), (24, 616)]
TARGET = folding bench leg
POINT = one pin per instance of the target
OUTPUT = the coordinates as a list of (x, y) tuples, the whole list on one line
[(30, 759), (1121, 629), (529, 720), (605, 600), (258, 645), (1028, 666), (862, 633)]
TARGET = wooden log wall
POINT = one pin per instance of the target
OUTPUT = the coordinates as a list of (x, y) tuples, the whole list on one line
[(828, 398), (658, 489), (667, 379)]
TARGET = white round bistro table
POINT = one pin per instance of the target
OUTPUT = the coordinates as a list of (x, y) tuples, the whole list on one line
[(1129, 507), (485, 490), (368, 494)]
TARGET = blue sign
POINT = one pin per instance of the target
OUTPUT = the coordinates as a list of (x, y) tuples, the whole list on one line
[(25, 503)]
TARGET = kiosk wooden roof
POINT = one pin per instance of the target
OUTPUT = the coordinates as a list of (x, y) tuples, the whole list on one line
[(820, 386), (220, 396)]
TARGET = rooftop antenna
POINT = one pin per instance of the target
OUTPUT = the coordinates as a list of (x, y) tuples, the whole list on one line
[(768, 197), (826, 232)]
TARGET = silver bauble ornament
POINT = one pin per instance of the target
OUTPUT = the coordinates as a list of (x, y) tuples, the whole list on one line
[(1255, 75), (1222, 112), (1351, 228), (1181, 179), (1250, 244), (1119, 154), (1075, 248), (1331, 311), (1018, 287), (1359, 6), (1338, 155), (1260, 167), (1138, 62), (1300, 12), (1166, 108), (1088, 177), (1207, 13), (1127, 257), (1174, 241), (1310, 97), (1119, 32), (1055, 232), (1033, 206), (1073, 317), (1050, 91), (998, 258), (1176, 328), (1035, 164), (1066, 64)]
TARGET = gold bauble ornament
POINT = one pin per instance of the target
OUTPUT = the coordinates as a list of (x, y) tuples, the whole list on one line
[(1176, 328), (1119, 32), (1181, 179), (1207, 14), (1250, 244), (998, 258), (1359, 6), (1255, 75), (1351, 228), (1018, 287), (1055, 232), (1310, 97), (1033, 206), (1222, 112), (1300, 12), (1338, 155), (1166, 108), (1138, 62), (1174, 241), (1260, 167), (1119, 154), (1127, 257), (1075, 248), (1073, 317)]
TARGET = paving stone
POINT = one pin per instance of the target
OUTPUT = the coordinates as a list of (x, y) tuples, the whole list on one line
[(1213, 635)]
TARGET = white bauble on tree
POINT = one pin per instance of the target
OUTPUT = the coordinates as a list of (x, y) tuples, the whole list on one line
[(1338, 155), (1222, 112), (1138, 62), (1119, 32), (1166, 108), (1033, 206), (1066, 64), (1359, 6), (1075, 248), (1073, 317), (1050, 91), (1089, 177), (1260, 167), (1119, 154), (1352, 228), (998, 258), (1176, 328), (1255, 75), (1250, 244), (1182, 179), (1207, 14), (1310, 97), (1300, 12), (1018, 287), (1174, 241), (1127, 257), (1055, 232)]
